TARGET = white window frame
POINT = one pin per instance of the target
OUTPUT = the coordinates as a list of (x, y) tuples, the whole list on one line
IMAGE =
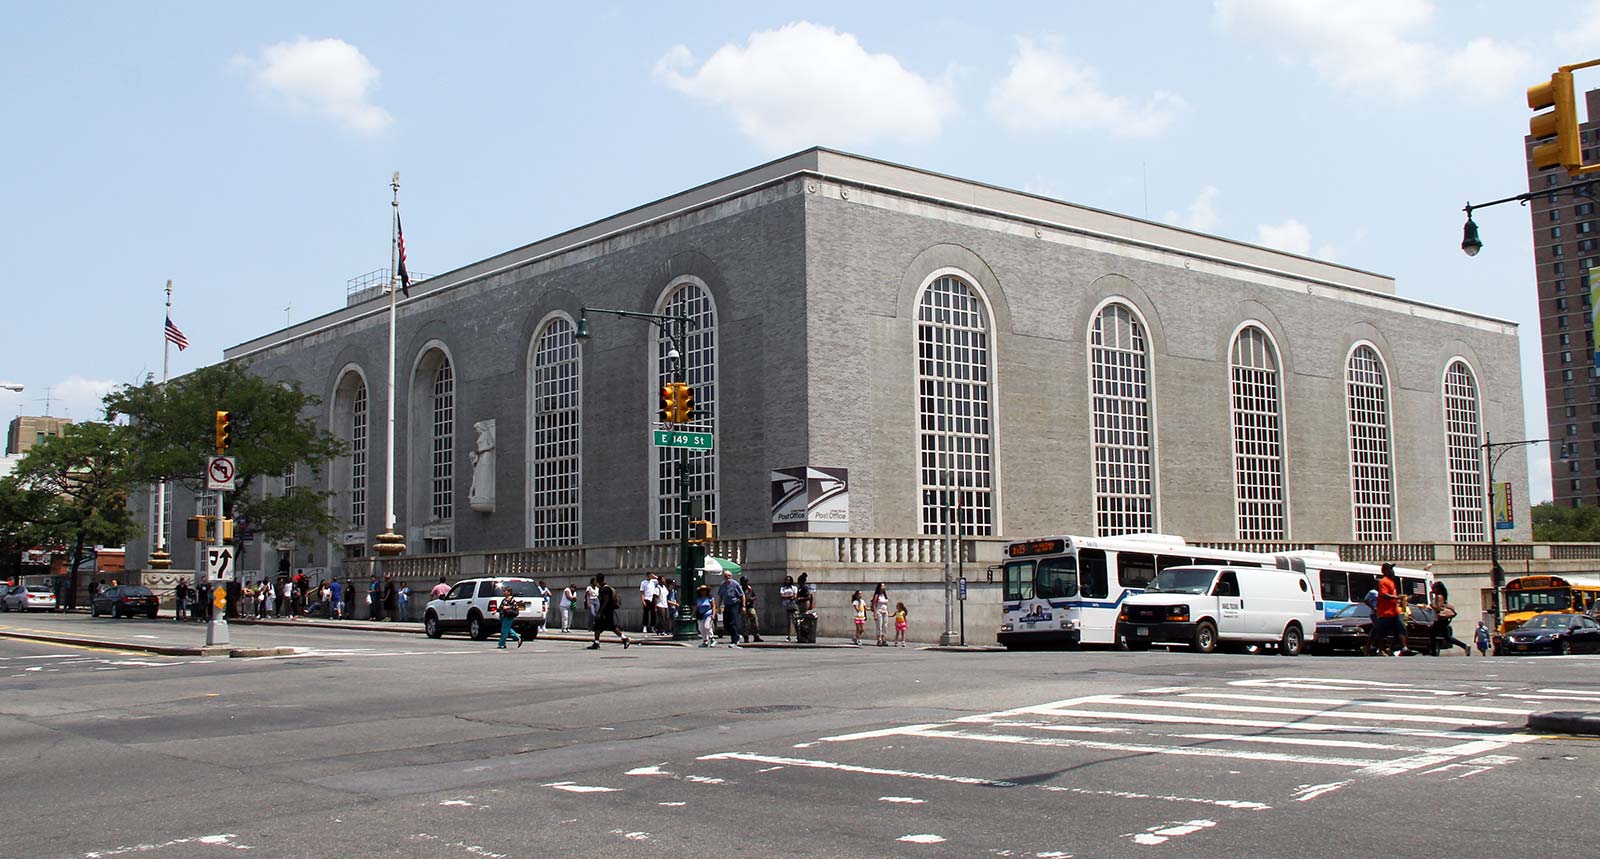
[(701, 371), (1371, 492), (555, 436), (1260, 484), (1463, 434), (958, 436), (441, 485), (360, 448), (1138, 388)]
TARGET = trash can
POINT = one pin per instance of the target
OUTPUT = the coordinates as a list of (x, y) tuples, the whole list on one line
[(805, 629)]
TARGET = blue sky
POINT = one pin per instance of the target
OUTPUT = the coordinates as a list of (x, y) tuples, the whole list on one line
[(245, 151)]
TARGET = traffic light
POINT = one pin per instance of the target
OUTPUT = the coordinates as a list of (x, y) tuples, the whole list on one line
[(1561, 123), (685, 403), (677, 403), (199, 529), (224, 429), (702, 531)]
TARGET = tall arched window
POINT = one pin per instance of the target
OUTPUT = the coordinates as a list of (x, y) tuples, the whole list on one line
[(954, 415), (442, 508), (358, 458), (1462, 452), (1258, 437), (700, 371), (1371, 467), (1124, 453), (553, 472)]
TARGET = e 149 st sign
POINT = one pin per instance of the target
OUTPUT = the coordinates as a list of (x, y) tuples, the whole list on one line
[(675, 438)]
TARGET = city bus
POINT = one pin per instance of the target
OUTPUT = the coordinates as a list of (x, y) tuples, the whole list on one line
[(1068, 590), (1526, 596)]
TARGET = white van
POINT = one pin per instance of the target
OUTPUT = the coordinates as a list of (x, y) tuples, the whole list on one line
[(1202, 606)]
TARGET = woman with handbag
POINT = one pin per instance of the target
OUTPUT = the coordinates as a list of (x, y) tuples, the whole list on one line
[(1443, 613), (508, 615)]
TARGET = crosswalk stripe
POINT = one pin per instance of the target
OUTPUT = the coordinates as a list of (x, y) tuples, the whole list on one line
[(1146, 748), (1298, 741), (1359, 702), (1327, 727), (1294, 711)]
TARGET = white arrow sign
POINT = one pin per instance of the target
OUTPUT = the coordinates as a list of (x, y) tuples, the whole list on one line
[(220, 473), (219, 563)]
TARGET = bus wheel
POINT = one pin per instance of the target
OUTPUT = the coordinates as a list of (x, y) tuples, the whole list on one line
[(1293, 641), (1205, 637)]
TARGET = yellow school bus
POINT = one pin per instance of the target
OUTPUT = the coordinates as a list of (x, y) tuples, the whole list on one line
[(1526, 596)]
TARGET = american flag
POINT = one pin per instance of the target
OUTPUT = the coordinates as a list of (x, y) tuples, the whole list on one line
[(405, 276), (176, 336)]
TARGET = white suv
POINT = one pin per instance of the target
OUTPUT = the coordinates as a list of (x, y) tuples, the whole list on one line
[(473, 607)]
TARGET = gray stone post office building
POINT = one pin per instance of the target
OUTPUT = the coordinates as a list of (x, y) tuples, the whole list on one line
[(1022, 365)]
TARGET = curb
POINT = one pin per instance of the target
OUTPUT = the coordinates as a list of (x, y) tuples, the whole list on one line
[(1565, 722), (159, 649)]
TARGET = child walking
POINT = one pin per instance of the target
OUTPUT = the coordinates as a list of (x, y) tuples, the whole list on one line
[(859, 606), (703, 615), (899, 624), (1481, 638)]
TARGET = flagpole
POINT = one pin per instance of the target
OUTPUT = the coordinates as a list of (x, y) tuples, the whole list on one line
[(160, 558), (389, 544)]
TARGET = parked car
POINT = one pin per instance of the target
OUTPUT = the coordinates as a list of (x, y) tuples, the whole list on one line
[(1203, 606), (28, 598), (473, 607), (124, 601), (1554, 632), (1351, 627)]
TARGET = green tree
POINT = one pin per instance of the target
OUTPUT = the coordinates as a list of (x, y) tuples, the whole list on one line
[(76, 486), (1553, 523), (173, 429), (25, 523)]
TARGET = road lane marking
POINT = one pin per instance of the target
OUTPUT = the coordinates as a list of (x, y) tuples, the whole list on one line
[(1359, 702), (922, 839), (1299, 741), (1143, 748), (1294, 711), (1329, 727), (1161, 833)]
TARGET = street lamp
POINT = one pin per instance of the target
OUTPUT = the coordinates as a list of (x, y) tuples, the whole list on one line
[(1471, 243), (10, 386), (675, 328), (1492, 451)]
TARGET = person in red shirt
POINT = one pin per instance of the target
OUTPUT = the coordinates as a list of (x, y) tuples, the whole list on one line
[(1388, 624)]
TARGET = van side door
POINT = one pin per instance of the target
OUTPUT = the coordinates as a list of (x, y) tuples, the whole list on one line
[(1231, 618)]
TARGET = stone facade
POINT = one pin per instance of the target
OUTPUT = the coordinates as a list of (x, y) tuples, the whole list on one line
[(815, 264)]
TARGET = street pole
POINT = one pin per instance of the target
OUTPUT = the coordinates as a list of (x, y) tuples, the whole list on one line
[(389, 544), (160, 558), (1492, 451), (216, 615)]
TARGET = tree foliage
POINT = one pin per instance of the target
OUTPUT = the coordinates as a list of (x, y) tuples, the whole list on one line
[(1553, 523), (173, 431)]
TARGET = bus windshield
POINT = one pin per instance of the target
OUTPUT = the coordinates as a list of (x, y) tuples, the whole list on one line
[(1057, 578), (1179, 580), (1019, 580), (1546, 599)]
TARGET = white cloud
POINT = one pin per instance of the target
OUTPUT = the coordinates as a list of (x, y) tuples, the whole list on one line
[(1046, 91), (1373, 46), (1291, 236), (79, 398), (1202, 214), (805, 84), (328, 77)]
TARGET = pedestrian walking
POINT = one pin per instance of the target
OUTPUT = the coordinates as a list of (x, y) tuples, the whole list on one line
[(374, 600), (605, 615), (591, 601), (880, 614), (349, 599), (1480, 637), (336, 599), (569, 594), (730, 601), (390, 599), (180, 596), (287, 604), (647, 602), (672, 605), (747, 617), (508, 616), (549, 603), (440, 590), (267, 600), (786, 594), (859, 607), (1388, 623), (899, 624), (325, 596), (663, 595), (705, 616), (1443, 613), (402, 602)]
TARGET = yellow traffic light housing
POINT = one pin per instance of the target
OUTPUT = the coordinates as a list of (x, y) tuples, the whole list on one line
[(684, 403), (701, 531), (1561, 123), (199, 529), (224, 431)]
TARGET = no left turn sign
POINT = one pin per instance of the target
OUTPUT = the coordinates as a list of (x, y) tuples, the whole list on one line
[(220, 473)]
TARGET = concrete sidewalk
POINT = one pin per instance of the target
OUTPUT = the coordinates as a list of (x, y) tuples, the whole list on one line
[(406, 627)]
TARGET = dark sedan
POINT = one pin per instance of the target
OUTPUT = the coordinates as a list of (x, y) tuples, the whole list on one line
[(1351, 627), (1554, 632), (124, 601)]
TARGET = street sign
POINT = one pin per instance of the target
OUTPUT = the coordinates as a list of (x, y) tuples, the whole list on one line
[(220, 473), (219, 563), (961, 588), (676, 438)]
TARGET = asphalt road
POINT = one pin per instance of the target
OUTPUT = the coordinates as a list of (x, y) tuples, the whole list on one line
[(370, 744)]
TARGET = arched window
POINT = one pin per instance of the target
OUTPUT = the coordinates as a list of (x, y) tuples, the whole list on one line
[(699, 362), (358, 458), (1124, 453), (1258, 437), (1371, 467), (553, 472), (954, 416), (1463, 454), (442, 508)]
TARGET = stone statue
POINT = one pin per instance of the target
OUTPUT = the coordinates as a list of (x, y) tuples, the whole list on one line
[(481, 498)]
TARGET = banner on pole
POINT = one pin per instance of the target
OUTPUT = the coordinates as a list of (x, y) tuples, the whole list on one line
[(1503, 507)]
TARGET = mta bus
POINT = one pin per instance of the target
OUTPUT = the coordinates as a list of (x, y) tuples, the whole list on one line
[(1068, 590), (1526, 596)]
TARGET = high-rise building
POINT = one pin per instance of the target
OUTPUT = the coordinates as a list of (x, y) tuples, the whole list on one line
[(25, 432), (1566, 245)]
